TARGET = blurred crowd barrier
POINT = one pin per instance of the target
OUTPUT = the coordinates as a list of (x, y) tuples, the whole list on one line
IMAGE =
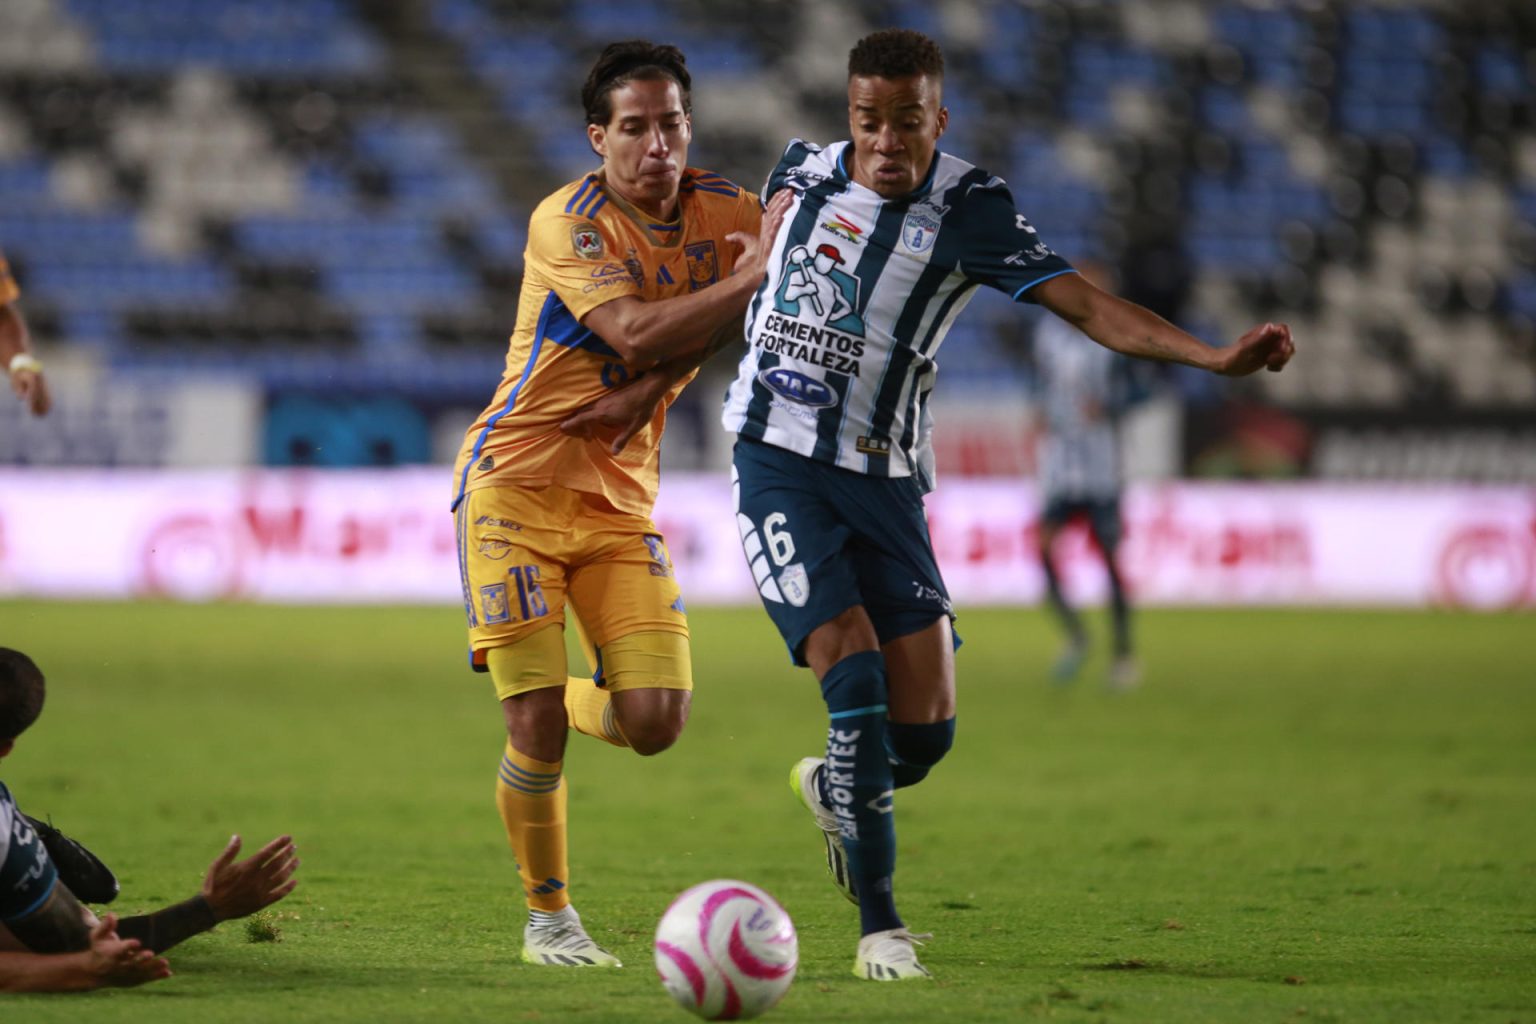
[(387, 536), (325, 202)]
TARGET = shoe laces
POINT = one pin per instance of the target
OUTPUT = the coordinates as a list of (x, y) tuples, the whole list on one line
[(900, 942), (566, 937)]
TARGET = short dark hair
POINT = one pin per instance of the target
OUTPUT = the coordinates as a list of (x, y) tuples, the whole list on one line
[(21, 693), (896, 53), (622, 63)]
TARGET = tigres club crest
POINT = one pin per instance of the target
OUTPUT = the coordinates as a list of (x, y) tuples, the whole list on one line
[(703, 269)]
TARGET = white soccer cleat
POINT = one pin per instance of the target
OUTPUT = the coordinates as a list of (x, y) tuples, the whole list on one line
[(558, 940), (890, 956), (802, 779), (1124, 674)]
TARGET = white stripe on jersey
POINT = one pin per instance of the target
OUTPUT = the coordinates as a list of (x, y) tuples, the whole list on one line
[(859, 295), (1080, 398), (8, 814)]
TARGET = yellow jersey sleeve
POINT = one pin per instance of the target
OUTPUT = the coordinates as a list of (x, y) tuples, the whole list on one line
[(578, 259)]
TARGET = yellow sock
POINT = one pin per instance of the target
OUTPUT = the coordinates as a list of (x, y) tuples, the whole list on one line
[(589, 708), (531, 797)]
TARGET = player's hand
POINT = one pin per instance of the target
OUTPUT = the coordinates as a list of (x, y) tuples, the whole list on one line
[(240, 889), (753, 258), (32, 388), (121, 963), (1265, 347), (619, 415)]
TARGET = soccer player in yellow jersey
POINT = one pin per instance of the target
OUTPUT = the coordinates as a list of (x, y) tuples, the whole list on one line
[(635, 273), (24, 368)]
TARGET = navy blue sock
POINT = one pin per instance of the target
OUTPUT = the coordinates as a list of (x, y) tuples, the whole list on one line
[(859, 784), (915, 747)]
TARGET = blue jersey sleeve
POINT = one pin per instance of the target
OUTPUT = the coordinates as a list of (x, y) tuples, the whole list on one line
[(27, 875), (1002, 249)]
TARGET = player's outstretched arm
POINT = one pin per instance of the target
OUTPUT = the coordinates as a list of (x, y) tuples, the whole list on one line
[(646, 333), (109, 962), (231, 889), (1136, 331)]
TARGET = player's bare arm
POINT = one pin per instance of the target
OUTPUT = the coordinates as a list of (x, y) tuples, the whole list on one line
[(61, 925), (620, 414), (1136, 331), (108, 962), (647, 333), (26, 372), (232, 889)]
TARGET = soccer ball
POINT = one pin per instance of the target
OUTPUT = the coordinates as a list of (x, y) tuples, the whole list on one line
[(726, 950)]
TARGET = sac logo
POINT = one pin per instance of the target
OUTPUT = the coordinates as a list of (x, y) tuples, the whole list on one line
[(797, 387)]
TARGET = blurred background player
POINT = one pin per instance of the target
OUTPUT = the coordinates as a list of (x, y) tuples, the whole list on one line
[(25, 369), (642, 261), (1082, 390), (49, 942), (833, 451)]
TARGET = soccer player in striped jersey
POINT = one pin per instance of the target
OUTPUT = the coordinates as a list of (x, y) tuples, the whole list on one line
[(49, 941), (634, 273), (24, 368), (1082, 390), (884, 242)]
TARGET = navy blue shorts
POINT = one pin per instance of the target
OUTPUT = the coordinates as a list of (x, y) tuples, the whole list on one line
[(821, 539), (1103, 515)]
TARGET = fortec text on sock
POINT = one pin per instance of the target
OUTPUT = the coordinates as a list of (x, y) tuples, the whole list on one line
[(841, 748)]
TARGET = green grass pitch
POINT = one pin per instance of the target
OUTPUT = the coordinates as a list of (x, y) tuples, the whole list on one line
[(1302, 816)]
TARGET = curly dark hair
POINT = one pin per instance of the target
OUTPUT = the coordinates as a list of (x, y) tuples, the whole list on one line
[(896, 53), (622, 63), (21, 693)]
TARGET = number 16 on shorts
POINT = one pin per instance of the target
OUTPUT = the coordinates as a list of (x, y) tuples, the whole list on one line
[(530, 599)]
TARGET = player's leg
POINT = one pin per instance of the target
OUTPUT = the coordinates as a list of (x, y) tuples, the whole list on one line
[(1070, 661), (588, 702), (1124, 672), (804, 583), (856, 781), (794, 516), (920, 672), (629, 600), (514, 599), (909, 608)]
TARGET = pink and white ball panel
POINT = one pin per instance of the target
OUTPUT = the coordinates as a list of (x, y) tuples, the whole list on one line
[(726, 950)]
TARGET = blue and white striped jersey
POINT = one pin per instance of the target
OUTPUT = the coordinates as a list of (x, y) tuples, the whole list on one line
[(1082, 390), (27, 876), (859, 294)]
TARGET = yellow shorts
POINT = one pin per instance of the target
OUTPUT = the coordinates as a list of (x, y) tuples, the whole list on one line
[(523, 552)]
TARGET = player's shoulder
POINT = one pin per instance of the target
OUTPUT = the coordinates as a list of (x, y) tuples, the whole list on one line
[(708, 184), (584, 197), (966, 184), (803, 164)]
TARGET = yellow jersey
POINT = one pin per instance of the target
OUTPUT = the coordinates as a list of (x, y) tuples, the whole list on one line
[(8, 291), (586, 246)]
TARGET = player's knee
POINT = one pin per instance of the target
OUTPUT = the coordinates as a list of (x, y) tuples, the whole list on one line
[(914, 748), (651, 677), (655, 730), (855, 682), (652, 738)]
